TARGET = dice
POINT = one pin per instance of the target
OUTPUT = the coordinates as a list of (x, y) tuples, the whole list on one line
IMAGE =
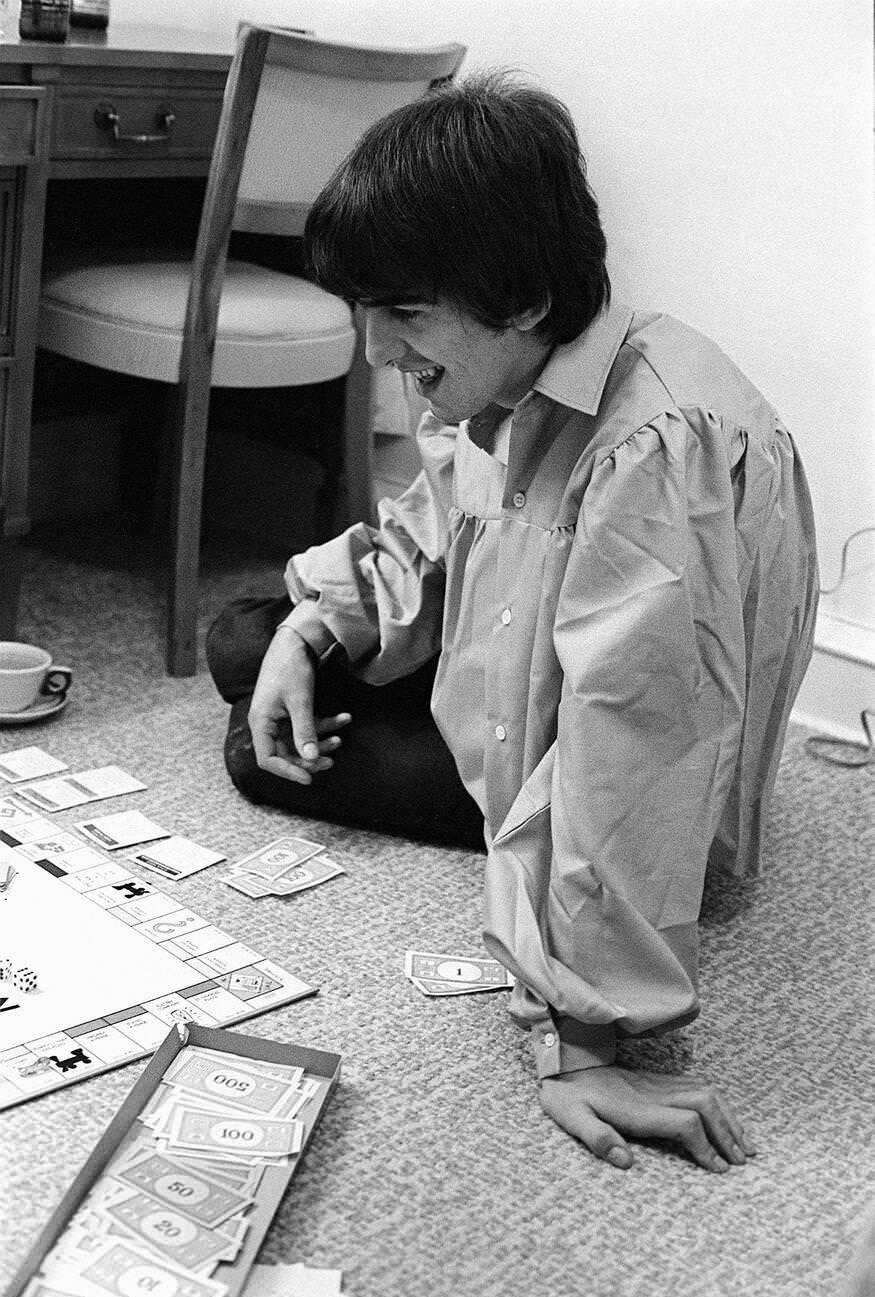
[(5, 970), (24, 979)]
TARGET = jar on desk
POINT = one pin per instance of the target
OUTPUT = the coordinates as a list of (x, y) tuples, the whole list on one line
[(44, 20)]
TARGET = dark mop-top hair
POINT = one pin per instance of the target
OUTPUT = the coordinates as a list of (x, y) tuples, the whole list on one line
[(476, 192)]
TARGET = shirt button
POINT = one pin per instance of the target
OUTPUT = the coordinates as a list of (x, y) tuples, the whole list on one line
[(519, 499), (549, 1040), (505, 617), (500, 732)]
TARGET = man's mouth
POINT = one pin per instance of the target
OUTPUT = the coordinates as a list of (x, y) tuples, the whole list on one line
[(428, 378)]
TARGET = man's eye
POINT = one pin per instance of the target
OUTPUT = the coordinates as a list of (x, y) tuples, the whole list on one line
[(405, 313)]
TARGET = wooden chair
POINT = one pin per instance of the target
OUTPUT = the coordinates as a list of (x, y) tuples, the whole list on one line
[(293, 108)]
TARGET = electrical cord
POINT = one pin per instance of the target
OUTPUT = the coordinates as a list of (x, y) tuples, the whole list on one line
[(843, 562), (843, 752)]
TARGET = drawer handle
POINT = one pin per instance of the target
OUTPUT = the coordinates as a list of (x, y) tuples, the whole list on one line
[(107, 119)]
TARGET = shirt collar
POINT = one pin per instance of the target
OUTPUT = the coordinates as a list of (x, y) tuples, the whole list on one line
[(576, 372)]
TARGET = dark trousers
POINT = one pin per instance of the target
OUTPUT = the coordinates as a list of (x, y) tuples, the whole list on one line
[(392, 773)]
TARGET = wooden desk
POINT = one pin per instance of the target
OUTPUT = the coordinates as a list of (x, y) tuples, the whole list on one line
[(57, 103)]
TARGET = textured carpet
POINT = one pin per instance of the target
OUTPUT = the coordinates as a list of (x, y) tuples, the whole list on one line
[(434, 1173)]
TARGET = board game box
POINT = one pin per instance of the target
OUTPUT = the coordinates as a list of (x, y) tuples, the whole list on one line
[(180, 1208)]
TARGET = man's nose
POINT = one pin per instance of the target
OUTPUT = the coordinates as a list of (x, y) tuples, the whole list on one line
[(382, 344)]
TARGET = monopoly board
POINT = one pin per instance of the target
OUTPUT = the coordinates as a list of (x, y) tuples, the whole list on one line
[(117, 962)]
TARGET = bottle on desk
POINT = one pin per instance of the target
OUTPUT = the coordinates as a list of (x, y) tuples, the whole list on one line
[(89, 13), (44, 20)]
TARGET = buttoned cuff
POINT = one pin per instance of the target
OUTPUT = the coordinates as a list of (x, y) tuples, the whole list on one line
[(563, 1044), (305, 620)]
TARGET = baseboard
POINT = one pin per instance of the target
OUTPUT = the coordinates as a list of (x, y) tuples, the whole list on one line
[(840, 681)]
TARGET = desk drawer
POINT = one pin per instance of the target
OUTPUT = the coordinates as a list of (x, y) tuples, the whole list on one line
[(102, 120), (19, 124)]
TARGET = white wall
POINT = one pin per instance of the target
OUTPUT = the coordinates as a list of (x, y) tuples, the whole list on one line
[(730, 146)]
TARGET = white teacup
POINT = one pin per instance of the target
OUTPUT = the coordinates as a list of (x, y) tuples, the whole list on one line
[(26, 673)]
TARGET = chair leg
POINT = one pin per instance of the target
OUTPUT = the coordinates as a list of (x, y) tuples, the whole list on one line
[(185, 532)]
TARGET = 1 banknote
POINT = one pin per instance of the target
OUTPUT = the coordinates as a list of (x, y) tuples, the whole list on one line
[(437, 974)]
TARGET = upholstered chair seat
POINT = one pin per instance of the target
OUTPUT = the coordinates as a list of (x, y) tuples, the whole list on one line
[(128, 315)]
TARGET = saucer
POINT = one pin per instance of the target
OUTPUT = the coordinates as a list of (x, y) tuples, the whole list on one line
[(38, 711)]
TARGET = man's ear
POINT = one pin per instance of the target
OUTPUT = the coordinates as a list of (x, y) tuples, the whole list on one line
[(528, 320)]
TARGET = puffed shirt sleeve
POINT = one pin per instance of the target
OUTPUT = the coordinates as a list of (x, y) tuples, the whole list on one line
[(594, 880), (378, 591)]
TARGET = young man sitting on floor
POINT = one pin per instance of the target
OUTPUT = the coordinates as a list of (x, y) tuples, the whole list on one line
[(601, 586)]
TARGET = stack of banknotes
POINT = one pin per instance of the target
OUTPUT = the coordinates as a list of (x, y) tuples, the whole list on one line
[(284, 866), (175, 1200)]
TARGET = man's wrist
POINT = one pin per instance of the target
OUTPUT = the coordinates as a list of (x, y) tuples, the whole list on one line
[(292, 633), (306, 623), (569, 1046)]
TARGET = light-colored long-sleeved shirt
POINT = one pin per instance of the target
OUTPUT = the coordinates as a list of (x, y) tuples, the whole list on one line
[(624, 613)]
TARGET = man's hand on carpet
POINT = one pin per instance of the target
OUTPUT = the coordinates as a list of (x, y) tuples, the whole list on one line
[(283, 699), (602, 1104)]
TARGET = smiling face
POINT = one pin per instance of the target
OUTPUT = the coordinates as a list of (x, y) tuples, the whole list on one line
[(458, 364)]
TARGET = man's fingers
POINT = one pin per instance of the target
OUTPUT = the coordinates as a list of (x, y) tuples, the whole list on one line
[(581, 1122), (314, 738), (328, 724), (650, 1117), (723, 1127), (278, 753), (286, 769), (685, 1127), (263, 730)]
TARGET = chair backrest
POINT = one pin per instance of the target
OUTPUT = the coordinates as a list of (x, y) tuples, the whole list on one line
[(315, 98), (293, 108)]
